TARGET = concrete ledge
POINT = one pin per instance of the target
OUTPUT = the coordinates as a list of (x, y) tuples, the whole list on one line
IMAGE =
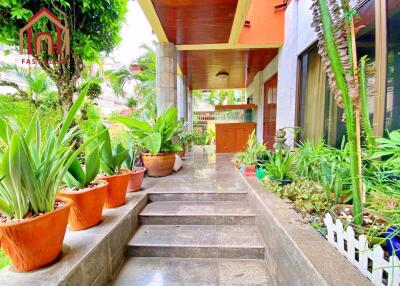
[(296, 254), (90, 257)]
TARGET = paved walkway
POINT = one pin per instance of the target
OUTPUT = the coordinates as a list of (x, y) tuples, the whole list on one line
[(196, 230)]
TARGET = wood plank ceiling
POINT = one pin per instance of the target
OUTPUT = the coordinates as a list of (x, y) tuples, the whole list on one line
[(201, 67), (192, 22)]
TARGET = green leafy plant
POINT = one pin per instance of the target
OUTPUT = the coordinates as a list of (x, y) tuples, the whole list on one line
[(81, 176), (111, 158), (134, 151), (280, 165), (334, 23), (389, 148), (156, 137), (253, 149), (33, 168)]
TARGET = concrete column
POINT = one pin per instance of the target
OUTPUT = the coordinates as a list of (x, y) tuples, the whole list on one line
[(287, 75), (189, 109), (166, 77), (182, 100)]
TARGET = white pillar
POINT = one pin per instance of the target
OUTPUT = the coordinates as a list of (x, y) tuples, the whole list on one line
[(182, 97), (166, 76)]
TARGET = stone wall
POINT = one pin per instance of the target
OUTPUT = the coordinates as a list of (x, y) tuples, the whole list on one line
[(89, 257), (295, 253)]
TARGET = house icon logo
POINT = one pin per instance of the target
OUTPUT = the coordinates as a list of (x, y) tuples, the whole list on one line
[(62, 36)]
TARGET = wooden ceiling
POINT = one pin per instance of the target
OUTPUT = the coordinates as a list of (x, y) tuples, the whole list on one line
[(201, 67), (196, 22)]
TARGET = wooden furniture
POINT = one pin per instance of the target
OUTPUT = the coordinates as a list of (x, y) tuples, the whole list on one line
[(232, 137)]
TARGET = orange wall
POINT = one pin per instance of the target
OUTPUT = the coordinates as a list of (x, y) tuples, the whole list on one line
[(266, 25)]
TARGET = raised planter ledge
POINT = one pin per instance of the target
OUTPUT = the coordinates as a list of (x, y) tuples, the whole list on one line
[(296, 254), (90, 257)]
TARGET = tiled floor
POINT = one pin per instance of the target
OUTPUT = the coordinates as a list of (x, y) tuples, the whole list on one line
[(196, 230)]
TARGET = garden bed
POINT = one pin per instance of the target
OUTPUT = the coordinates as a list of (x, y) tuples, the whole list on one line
[(296, 254), (89, 257)]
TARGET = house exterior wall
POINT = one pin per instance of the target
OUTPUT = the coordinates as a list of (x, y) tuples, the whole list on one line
[(299, 36)]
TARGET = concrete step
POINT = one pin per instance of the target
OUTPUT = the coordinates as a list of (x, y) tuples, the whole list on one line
[(197, 213), (197, 241), (197, 196), (150, 271)]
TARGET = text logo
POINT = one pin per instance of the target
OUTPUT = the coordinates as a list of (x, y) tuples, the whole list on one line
[(38, 39)]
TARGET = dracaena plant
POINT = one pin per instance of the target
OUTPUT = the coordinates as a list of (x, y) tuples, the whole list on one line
[(111, 158), (80, 176), (156, 137), (33, 165), (334, 23), (253, 149)]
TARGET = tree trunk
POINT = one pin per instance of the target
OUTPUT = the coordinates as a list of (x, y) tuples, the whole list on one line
[(66, 95)]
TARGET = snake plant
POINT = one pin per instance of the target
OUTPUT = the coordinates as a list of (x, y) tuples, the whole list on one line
[(111, 158), (335, 28), (33, 165), (81, 176)]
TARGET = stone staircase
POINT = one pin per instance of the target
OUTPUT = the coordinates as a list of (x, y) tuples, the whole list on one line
[(196, 237)]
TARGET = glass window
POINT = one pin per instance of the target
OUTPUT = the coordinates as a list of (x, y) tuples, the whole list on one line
[(392, 111), (365, 41), (312, 99)]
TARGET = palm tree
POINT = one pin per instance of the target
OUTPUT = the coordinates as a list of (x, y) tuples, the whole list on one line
[(37, 82), (145, 81)]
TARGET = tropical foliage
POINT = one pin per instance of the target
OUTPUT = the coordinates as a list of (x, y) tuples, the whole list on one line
[(111, 158), (144, 79), (334, 23), (33, 167), (158, 136), (94, 28), (81, 176)]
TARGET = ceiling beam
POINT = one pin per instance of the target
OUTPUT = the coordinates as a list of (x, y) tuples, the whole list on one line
[(152, 17), (227, 46), (242, 9)]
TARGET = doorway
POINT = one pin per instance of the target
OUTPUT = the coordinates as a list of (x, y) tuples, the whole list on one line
[(270, 99)]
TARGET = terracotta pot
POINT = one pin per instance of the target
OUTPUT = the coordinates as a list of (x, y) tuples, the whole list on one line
[(87, 206), (159, 165), (35, 242), (117, 188), (136, 179), (249, 170)]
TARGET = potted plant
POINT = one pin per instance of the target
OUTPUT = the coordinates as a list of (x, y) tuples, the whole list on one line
[(279, 167), (111, 160), (33, 222), (183, 140), (86, 194), (249, 156), (157, 138), (137, 172)]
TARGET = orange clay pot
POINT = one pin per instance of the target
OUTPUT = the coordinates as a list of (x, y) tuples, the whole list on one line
[(136, 179), (87, 205), (159, 165), (34, 242), (117, 188)]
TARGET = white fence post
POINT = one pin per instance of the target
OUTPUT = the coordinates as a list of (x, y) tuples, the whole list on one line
[(370, 262)]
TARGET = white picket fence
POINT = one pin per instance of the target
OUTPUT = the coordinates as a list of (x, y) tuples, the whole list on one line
[(371, 262)]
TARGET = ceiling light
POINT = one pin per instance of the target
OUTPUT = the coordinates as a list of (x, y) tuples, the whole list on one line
[(222, 75)]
